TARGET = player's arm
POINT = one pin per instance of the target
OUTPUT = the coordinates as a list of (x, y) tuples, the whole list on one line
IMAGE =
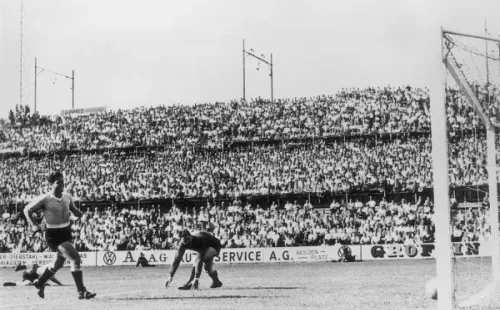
[(177, 261), (74, 209), (31, 208)]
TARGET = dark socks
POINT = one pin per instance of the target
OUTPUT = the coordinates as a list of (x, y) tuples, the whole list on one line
[(192, 275), (47, 274), (214, 276), (78, 277), (20, 267)]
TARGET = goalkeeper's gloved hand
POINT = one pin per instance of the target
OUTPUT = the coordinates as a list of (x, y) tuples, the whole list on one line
[(169, 280)]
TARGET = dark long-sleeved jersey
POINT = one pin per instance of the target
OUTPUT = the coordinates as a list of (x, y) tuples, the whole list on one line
[(200, 243), (30, 276), (142, 261)]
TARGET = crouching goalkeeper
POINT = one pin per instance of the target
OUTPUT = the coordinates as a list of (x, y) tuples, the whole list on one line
[(207, 247)]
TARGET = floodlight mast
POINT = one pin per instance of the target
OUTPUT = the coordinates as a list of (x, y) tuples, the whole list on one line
[(72, 78), (269, 63)]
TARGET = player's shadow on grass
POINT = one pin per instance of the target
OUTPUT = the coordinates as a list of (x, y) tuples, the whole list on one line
[(193, 297), (263, 288)]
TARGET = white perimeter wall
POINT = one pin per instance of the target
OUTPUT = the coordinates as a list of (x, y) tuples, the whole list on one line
[(254, 255)]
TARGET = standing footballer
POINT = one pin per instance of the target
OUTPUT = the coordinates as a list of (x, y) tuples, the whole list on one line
[(207, 247), (56, 206)]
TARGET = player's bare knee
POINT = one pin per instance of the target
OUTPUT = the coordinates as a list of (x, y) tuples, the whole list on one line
[(75, 267), (68, 250), (76, 264)]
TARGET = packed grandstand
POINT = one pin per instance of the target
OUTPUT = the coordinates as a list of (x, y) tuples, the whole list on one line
[(349, 168)]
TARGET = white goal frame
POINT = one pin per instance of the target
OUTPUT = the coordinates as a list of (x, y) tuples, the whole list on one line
[(439, 132)]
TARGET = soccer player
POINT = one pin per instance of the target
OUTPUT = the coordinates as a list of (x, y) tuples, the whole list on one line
[(143, 262), (56, 206), (346, 255), (207, 247), (31, 273)]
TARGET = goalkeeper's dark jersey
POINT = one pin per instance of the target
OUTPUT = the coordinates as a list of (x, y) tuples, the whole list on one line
[(200, 243), (30, 276)]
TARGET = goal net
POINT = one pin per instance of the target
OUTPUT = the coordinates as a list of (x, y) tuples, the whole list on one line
[(472, 92)]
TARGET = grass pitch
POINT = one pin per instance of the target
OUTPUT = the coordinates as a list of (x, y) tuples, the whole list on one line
[(387, 284)]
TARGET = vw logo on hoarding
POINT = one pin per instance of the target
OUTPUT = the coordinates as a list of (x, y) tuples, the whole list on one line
[(109, 258), (344, 250)]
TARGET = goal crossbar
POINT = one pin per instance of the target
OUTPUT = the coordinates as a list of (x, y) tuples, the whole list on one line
[(463, 34)]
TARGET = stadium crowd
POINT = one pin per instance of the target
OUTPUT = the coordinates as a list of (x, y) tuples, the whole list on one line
[(351, 111), (174, 168), (358, 165), (237, 225)]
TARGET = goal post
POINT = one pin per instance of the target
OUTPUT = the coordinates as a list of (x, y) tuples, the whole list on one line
[(470, 86), (439, 136), (493, 199)]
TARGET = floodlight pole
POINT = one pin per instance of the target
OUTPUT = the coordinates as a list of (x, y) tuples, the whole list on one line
[(271, 74), (72, 89), (35, 87), (268, 63), (21, 61), (486, 58), (244, 96), (72, 78)]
